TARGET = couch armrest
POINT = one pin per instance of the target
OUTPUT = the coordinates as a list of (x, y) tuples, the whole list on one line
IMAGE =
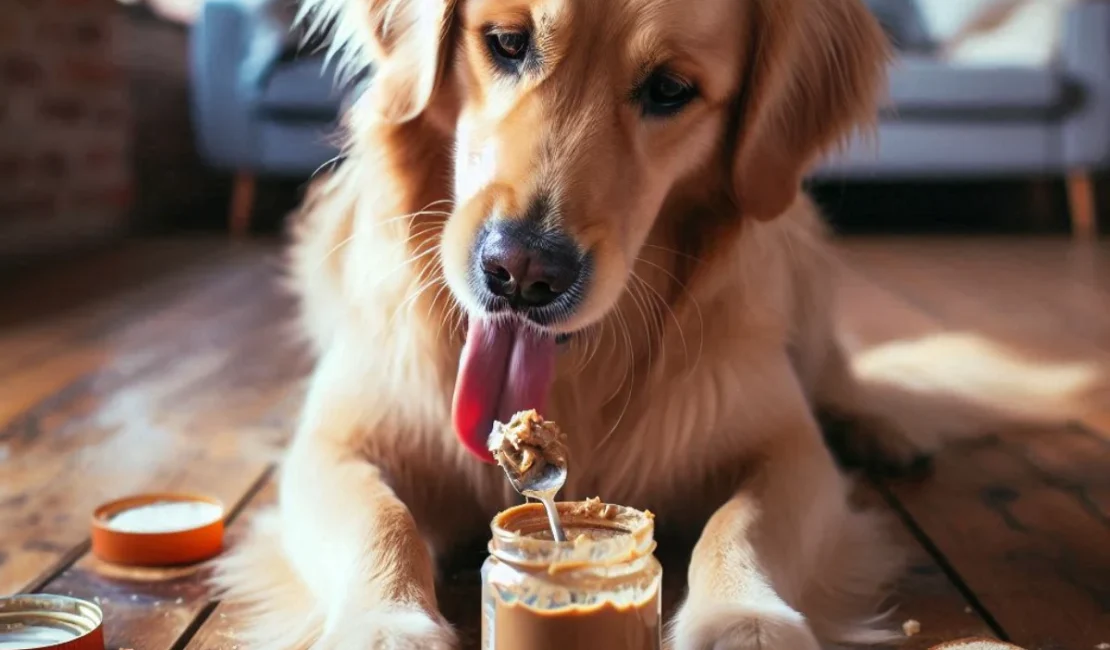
[(234, 45), (1085, 57)]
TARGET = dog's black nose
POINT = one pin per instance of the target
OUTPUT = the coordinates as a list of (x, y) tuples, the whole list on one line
[(526, 265)]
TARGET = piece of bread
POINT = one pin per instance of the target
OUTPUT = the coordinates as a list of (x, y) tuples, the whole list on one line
[(975, 644)]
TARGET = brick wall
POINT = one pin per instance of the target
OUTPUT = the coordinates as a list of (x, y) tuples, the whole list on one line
[(174, 188), (65, 125)]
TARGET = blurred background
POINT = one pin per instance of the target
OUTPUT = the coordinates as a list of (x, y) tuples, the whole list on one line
[(124, 117), (151, 150)]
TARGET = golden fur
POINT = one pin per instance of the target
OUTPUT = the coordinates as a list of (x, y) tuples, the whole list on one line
[(705, 343)]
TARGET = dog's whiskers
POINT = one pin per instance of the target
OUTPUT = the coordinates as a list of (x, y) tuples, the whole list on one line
[(581, 345), (332, 160), (697, 308), (408, 261), (357, 232), (629, 376), (460, 317), (678, 324), (423, 285), (598, 339), (427, 277), (606, 327), (673, 251), (410, 301), (636, 301), (446, 313), (452, 312), (659, 320), (418, 231)]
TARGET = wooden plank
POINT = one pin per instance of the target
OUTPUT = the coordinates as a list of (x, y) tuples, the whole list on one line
[(1021, 518), (867, 315), (149, 338), (171, 413), (213, 436), (19, 346), (48, 307), (37, 382), (142, 337), (1045, 301), (45, 289), (1098, 422), (1074, 461), (925, 592), (1034, 557), (76, 346), (220, 630), (1038, 304)]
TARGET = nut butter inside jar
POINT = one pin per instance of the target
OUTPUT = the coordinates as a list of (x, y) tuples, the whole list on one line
[(600, 590)]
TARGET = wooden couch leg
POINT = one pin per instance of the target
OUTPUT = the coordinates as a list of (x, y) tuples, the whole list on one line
[(1081, 205), (242, 204)]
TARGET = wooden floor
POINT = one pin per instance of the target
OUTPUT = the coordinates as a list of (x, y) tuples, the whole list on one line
[(165, 366)]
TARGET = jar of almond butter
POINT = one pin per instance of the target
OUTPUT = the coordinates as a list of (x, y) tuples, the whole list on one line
[(600, 589)]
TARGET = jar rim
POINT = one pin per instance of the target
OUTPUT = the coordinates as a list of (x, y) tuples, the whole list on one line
[(511, 543)]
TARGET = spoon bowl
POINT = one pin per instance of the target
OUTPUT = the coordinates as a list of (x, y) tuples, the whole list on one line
[(542, 486), (533, 455)]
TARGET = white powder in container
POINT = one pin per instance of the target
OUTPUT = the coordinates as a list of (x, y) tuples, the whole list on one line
[(32, 636), (166, 517)]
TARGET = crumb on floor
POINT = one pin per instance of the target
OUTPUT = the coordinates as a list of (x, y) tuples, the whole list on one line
[(911, 627)]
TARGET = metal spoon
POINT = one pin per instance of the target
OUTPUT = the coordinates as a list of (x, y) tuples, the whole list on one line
[(542, 486)]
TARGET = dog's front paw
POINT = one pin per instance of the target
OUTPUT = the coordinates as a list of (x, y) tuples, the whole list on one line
[(736, 627), (390, 629), (875, 445)]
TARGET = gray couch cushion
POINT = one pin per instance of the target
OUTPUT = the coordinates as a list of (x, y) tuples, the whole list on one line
[(928, 86), (904, 25), (301, 88)]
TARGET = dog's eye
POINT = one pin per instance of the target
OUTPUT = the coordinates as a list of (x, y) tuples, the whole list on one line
[(509, 47), (665, 93)]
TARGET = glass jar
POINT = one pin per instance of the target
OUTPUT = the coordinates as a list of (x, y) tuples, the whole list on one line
[(601, 589)]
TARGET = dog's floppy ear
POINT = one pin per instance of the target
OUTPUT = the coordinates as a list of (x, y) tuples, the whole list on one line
[(814, 73), (403, 41)]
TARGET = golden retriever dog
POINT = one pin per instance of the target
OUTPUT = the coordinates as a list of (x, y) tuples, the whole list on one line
[(592, 208)]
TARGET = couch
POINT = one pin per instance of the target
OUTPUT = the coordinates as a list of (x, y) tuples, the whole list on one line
[(264, 106), (965, 121)]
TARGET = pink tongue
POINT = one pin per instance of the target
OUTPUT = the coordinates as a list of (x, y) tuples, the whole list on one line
[(504, 369)]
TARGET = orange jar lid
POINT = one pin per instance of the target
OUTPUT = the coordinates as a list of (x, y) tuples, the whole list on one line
[(49, 622), (977, 643), (158, 530)]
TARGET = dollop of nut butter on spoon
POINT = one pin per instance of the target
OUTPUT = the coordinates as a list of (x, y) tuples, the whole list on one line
[(533, 452)]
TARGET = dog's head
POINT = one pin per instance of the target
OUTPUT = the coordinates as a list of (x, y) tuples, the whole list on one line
[(580, 121)]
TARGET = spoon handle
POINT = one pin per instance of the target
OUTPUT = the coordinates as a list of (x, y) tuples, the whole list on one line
[(553, 517)]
